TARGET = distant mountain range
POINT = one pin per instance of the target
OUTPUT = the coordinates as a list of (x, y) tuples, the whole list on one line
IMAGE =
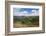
[(22, 17)]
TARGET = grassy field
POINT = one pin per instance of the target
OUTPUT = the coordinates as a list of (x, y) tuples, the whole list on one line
[(25, 21)]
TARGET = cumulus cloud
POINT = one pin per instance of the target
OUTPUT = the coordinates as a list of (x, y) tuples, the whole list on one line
[(25, 13)]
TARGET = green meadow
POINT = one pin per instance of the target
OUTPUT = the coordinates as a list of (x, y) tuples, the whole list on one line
[(25, 21)]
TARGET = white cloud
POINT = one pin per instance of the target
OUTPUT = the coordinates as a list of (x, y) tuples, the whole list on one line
[(25, 13)]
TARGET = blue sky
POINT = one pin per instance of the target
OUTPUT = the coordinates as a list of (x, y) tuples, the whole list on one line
[(25, 11)]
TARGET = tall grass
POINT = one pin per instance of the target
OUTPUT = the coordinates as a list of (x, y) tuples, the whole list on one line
[(28, 20)]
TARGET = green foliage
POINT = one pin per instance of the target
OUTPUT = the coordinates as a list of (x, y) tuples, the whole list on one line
[(27, 20)]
